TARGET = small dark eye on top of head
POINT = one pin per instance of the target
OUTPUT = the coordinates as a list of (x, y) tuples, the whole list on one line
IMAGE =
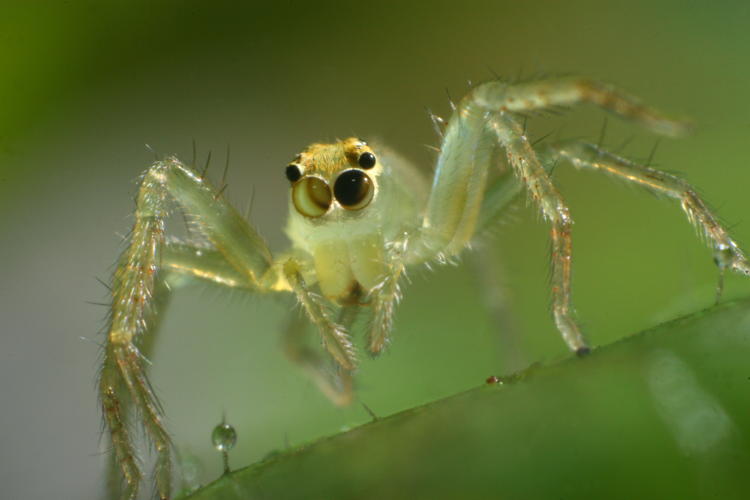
[(366, 160), (293, 173)]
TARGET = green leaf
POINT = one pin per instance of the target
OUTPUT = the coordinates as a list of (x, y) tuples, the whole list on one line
[(661, 414)]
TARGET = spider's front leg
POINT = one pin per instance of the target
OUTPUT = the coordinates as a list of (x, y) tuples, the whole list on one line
[(486, 117), (239, 257), (508, 99)]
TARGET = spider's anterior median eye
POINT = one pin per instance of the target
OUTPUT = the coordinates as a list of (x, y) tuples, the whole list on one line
[(293, 173), (366, 160), (353, 189), (311, 196)]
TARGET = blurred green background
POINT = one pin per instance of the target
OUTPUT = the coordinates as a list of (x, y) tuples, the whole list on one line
[(85, 85)]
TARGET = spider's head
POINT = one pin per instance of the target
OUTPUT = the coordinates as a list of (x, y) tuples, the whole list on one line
[(339, 178)]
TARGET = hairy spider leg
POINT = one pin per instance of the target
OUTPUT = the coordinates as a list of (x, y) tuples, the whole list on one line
[(450, 217), (455, 199), (727, 253), (123, 462), (238, 258), (333, 381), (177, 261), (488, 116), (133, 288), (509, 131), (564, 92), (180, 260), (556, 212)]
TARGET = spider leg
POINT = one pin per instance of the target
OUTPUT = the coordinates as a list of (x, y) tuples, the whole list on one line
[(455, 200), (490, 278), (333, 381), (464, 149), (135, 283), (727, 253), (525, 162), (124, 367), (546, 94), (117, 414), (178, 261), (335, 339), (486, 117), (182, 260)]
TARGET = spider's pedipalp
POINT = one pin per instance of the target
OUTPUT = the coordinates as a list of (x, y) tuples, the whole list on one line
[(334, 336), (332, 380), (385, 296)]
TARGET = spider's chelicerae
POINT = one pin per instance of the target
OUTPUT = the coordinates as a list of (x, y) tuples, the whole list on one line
[(358, 217)]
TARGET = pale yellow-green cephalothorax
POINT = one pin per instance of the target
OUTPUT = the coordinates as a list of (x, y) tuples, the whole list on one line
[(345, 206)]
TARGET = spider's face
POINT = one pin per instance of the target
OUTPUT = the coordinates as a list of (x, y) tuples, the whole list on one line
[(339, 179)]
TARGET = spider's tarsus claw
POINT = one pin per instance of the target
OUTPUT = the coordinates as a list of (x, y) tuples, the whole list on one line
[(583, 351), (374, 353)]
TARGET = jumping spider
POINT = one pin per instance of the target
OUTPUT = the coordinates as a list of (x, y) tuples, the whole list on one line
[(358, 217)]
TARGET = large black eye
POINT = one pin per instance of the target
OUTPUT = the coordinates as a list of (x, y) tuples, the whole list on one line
[(293, 173), (366, 160), (353, 189)]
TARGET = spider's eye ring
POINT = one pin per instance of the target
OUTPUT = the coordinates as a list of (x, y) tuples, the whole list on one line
[(353, 189), (311, 196), (293, 173), (366, 160)]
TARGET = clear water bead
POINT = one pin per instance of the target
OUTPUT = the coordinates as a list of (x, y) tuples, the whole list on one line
[(224, 437)]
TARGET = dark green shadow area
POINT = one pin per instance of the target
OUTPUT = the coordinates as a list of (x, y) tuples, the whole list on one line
[(661, 414)]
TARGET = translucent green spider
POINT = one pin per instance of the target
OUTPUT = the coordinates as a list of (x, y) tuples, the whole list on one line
[(359, 216)]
